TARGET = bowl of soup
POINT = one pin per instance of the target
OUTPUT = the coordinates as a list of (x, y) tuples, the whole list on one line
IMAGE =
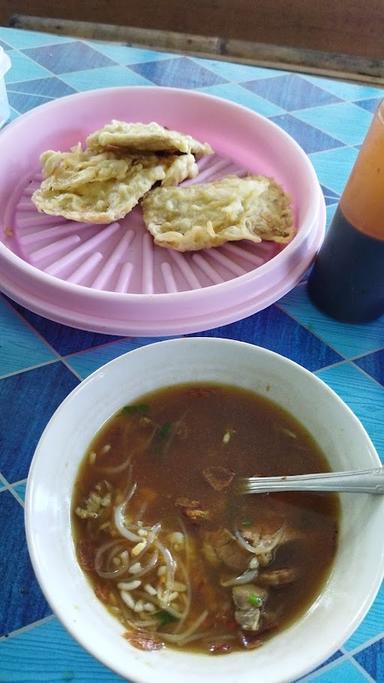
[(147, 552)]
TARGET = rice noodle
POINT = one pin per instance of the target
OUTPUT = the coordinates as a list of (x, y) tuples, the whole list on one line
[(188, 596), (248, 576), (172, 611), (185, 571), (120, 520), (122, 529), (153, 532), (107, 546), (155, 600), (148, 541), (183, 527), (173, 433), (180, 638), (140, 623), (168, 557), (150, 438), (171, 568), (118, 468), (142, 510), (129, 532), (113, 546), (151, 564), (130, 493), (114, 552)]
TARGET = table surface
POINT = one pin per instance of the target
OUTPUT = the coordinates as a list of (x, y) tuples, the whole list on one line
[(42, 361)]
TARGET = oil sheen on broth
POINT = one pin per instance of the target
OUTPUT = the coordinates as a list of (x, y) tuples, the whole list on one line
[(169, 547)]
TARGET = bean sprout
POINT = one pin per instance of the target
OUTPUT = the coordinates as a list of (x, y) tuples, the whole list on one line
[(248, 576)]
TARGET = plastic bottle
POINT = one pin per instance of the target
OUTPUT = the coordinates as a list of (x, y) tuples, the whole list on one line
[(347, 281)]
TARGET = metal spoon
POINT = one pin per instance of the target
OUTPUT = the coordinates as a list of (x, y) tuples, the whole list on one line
[(357, 481)]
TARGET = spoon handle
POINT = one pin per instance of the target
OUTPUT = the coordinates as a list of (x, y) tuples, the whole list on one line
[(357, 481)]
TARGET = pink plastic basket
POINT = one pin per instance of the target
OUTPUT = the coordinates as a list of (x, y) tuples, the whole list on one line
[(113, 279)]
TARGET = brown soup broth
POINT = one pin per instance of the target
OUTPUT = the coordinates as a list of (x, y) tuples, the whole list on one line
[(178, 446)]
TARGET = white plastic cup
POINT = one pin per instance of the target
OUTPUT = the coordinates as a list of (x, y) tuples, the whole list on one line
[(5, 64)]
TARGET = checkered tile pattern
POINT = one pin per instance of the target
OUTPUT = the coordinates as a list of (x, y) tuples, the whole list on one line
[(42, 361)]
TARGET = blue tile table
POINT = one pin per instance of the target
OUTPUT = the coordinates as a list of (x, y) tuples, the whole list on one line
[(42, 361)]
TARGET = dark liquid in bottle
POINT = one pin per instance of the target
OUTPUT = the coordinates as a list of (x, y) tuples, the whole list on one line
[(347, 281)]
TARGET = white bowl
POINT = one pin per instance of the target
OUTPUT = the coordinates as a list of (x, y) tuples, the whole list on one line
[(359, 562)]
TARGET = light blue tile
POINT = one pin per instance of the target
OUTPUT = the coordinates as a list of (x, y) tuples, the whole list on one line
[(309, 138), (24, 69), (88, 361), (68, 57), (291, 92), (20, 489), (14, 115), (44, 87), (24, 39), (363, 395), (349, 340), (123, 54), (20, 347), (5, 45), (344, 121), (347, 91), (330, 195), (178, 72), (334, 166), (48, 654), (235, 93), (370, 104), (105, 77), (237, 72), (23, 102), (372, 625), (345, 672)]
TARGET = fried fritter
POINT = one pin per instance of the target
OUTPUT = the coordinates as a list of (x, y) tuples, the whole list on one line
[(145, 137), (208, 214)]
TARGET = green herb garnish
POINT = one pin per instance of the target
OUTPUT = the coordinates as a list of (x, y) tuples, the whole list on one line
[(164, 430), (166, 617), (246, 522), (255, 600), (135, 409), (162, 438)]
